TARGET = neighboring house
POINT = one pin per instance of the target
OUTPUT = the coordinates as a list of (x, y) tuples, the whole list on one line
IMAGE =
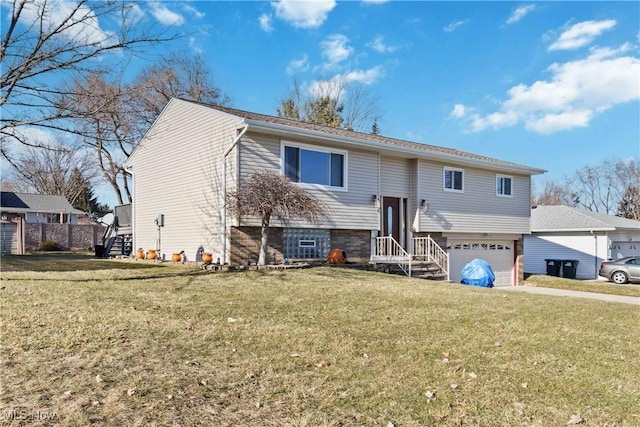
[(563, 232), (39, 208), (20, 212), (471, 205)]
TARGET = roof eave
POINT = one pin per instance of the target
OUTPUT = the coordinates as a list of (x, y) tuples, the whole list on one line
[(445, 157), (564, 230)]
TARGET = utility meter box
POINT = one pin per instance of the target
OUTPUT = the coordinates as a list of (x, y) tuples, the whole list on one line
[(160, 220)]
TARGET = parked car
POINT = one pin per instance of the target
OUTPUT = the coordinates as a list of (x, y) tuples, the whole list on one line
[(622, 270)]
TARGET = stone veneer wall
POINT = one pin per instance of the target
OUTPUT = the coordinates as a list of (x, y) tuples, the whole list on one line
[(519, 248), (356, 243), (245, 245)]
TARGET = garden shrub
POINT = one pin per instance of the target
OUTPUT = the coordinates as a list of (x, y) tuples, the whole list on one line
[(49, 245)]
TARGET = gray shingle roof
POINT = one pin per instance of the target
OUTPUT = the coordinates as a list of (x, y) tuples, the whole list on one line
[(566, 218), (36, 203), (346, 133)]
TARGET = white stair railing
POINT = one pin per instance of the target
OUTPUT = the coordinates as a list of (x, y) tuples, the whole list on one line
[(427, 249), (389, 250)]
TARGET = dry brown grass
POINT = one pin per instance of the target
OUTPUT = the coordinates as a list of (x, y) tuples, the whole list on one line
[(308, 348), (602, 287)]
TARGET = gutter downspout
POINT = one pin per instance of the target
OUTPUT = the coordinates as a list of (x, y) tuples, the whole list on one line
[(223, 194)]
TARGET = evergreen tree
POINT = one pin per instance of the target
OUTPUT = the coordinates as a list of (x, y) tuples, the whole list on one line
[(84, 198)]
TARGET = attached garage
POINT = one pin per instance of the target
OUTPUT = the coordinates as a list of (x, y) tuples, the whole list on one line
[(499, 254)]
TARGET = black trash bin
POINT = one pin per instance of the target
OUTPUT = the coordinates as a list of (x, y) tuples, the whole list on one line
[(553, 267), (569, 268), (99, 251)]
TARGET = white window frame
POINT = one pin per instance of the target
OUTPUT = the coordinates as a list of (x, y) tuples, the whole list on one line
[(444, 179), (345, 164), (509, 177)]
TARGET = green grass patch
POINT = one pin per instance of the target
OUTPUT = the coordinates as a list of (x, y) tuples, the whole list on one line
[(317, 347), (602, 287)]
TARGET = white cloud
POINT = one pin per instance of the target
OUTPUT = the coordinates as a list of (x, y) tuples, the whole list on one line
[(335, 49), (164, 15), (296, 65), (459, 111), (83, 27), (332, 88), (581, 34), (195, 46), (367, 77), (335, 86), (193, 11), (562, 121), (303, 14), (453, 25), (265, 23), (520, 12), (379, 45), (133, 14), (576, 92), (375, 1)]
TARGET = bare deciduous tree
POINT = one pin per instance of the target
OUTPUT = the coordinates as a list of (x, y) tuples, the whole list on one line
[(112, 117), (59, 170), (176, 76), (105, 120), (45, 41), (598, 188), (268, 195), (554, 193)]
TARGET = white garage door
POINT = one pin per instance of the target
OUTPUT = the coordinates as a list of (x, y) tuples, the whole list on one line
[(8, 238), (499, 255), (624, 249)]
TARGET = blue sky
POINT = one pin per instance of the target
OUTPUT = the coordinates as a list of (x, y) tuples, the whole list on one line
[(554, 85)]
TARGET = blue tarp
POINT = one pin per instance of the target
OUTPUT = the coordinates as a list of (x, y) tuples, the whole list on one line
[(478, 273)]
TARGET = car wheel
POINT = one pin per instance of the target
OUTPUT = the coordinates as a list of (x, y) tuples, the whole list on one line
[(619, 277)]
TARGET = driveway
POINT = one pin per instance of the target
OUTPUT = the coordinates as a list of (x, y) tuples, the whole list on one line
[(575, 294)]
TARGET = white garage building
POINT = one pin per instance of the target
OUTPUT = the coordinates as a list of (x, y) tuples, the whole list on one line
[(563, 232)]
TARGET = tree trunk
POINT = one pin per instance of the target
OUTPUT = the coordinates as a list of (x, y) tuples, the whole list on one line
[(264, 240)]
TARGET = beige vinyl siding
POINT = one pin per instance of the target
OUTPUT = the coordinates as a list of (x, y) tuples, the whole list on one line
[(177, 172), (350, 209), (395, 177), (477, 209)]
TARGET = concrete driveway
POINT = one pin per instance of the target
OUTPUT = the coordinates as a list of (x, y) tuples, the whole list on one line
[(575, 294)]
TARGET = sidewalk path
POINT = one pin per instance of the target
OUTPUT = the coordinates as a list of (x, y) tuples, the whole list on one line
[(576, 294)]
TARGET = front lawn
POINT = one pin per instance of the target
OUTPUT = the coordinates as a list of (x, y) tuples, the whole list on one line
[(323, 346), (67, 261), (602, 287)]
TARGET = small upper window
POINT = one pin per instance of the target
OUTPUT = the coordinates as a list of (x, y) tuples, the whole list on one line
[(453, 179), (503, 185)]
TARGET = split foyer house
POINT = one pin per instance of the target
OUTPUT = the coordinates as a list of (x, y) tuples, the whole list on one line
[(388, 199)]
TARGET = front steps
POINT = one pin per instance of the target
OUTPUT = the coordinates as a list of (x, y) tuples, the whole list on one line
[(419, 270)]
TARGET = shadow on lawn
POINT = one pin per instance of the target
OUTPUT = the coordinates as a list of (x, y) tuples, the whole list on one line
[(65, 261)]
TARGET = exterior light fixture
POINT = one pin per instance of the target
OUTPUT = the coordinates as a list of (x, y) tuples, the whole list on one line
[(425, 205)]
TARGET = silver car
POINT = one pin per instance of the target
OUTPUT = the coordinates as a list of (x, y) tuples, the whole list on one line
[(622, 270)]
